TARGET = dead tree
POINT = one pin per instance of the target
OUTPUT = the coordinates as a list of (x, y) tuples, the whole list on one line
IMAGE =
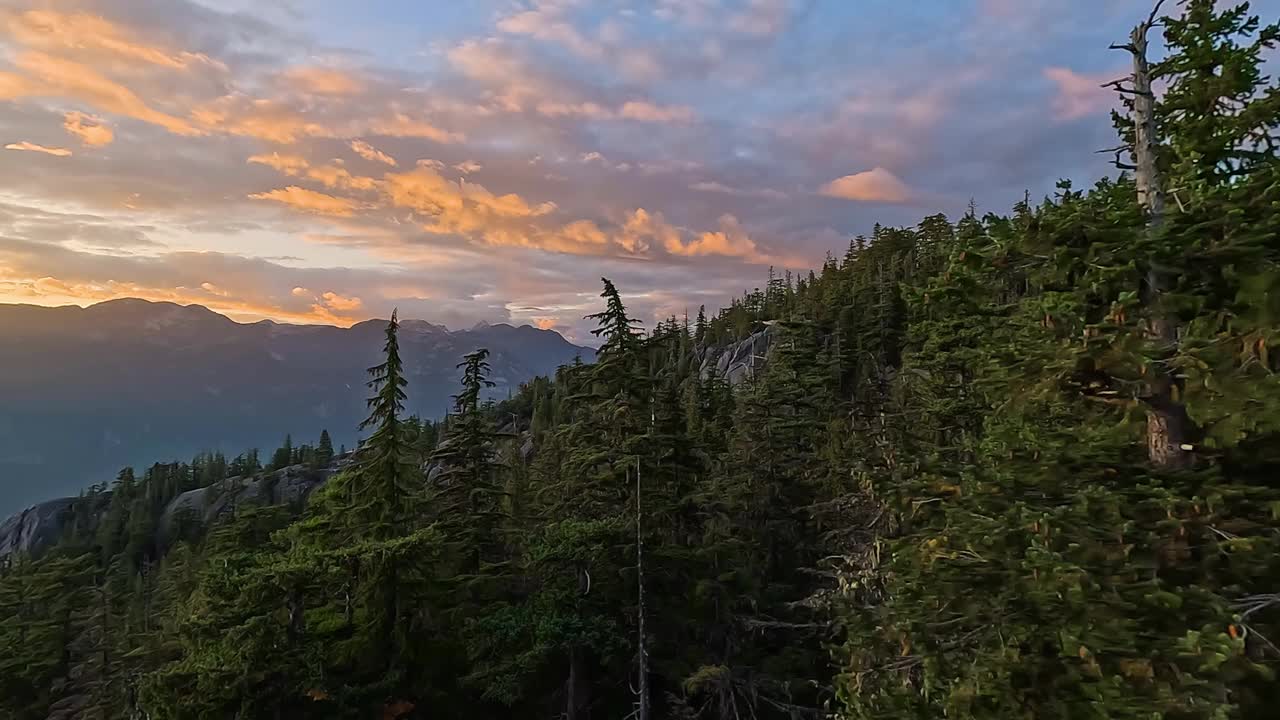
[(1167, 421)]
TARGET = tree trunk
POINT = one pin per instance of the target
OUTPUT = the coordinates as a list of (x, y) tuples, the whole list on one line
[(1167, 421), (643, 710), (577, 705)]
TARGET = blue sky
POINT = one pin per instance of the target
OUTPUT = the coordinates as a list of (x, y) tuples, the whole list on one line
[(324, 161)]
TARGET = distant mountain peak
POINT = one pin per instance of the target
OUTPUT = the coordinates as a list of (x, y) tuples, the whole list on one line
[(86, 391)]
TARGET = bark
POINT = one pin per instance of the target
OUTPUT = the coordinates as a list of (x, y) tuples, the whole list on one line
[(1167, 421), (643, 711)]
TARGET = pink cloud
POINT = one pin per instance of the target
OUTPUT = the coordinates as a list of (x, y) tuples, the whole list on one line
[(1079, 95)]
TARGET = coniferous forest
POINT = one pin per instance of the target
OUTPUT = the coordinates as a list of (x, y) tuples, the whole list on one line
[(1020, 465)]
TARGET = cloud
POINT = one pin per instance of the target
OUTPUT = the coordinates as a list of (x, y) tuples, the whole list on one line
[(399, 124), (549, 23), (1079, 95), (723, 189), (468, 166), (731, 240), (546, 23), (330, 176), (322, 81), (649, 112), (294, 165), (310, 201), (877, 185), (243, 289), (642, 229), (338, 303), (762, 17), (670, 91), (513, 86), (95, 37), (463, 208), (49, 76), (91, 131), (369, 152), (32, 147)]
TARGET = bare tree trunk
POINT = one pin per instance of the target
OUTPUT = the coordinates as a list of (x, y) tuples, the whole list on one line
[(1167, 421), (643, 710)]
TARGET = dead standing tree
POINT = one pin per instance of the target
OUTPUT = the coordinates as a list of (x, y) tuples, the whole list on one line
[(1167, 421)]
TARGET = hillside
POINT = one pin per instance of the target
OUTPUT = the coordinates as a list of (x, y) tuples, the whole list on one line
[(86, 391), (1000, 466)]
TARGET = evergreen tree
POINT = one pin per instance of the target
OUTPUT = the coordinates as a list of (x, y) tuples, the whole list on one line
[(324, 451)]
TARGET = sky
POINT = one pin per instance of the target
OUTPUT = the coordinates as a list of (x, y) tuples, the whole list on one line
[(325, 161)]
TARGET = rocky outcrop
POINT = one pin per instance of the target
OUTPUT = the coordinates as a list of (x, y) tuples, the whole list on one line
[(286, 486), (35, 528), (39, 527), (738, 362), (434, 469)]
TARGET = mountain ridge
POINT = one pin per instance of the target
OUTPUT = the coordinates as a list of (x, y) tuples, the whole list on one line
[(85, 391)]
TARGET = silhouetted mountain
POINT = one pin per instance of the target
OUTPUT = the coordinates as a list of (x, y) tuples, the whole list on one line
[(85, 391)]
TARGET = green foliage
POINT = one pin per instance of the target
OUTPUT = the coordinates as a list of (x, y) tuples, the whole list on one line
[(932, 500)]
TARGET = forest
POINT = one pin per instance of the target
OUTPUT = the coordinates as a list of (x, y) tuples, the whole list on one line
[(1021, 465)]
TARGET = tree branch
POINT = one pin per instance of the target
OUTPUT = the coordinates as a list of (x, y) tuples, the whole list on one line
[(1151, 19)]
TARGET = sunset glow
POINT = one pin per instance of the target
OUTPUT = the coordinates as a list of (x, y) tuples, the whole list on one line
[(324, 162)]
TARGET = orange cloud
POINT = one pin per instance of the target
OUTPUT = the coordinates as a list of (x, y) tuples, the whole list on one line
[(322, 81), (328, 175), (32, 147), (730, 241), (369, 152), (460, 207), (467, 167), (401, 125), (60, 77), (338, 303), (95, 36), (294, 165), (472, 211), (91, 131), (1079, 95), (310, 201), (876, 185), (54, 291), (641, 228), (268, 120)]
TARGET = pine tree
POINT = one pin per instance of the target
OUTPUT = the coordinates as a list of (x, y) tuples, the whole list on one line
[(384, 457), (470, 493), (324, 451)]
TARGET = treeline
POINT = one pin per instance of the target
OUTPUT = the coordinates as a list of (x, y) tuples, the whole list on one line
[(1020, 466)]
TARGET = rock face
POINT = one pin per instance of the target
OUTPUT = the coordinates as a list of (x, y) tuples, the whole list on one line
[(287, 486), (35, 528), (739, 362)]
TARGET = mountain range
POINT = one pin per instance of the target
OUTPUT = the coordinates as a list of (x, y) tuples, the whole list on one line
[(86, 391)]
